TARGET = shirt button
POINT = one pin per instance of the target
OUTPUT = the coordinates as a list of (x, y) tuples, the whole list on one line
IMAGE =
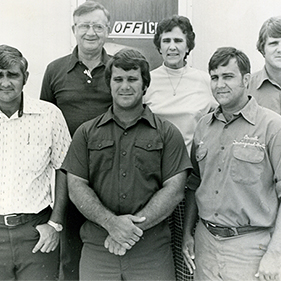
[(222, 148), (149, 145), (124, 196), (217, 192), (99, 145), (226, 126), (124, 153), (219, 169), (124, 174), (88, 81), (125, 133), (216, 214)]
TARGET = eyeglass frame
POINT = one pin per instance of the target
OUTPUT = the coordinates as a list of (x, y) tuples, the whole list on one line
[(91, 26)]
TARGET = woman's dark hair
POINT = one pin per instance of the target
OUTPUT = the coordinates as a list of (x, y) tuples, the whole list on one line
[(168, 24)]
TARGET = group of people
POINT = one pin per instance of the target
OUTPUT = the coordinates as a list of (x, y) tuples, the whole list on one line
[(159, 175)]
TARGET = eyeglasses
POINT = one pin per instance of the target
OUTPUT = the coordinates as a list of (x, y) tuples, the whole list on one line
[(84, 27)]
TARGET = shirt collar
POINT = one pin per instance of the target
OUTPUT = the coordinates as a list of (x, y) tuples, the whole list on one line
[(262, 76), (248, 112), (31, 107), (74, 58), (146, 115)]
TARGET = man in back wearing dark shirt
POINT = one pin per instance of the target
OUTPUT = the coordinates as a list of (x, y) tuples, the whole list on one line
[(76, 84)]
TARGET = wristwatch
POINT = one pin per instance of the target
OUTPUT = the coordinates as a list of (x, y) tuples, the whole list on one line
[(58, 227)]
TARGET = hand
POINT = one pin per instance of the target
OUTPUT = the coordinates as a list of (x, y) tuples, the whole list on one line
[(114, 247), (269, 268), (188, 252), (49, 239), (123, 230)]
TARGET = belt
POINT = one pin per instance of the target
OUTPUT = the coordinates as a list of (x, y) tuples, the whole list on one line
[(223, 231), (19, 219)]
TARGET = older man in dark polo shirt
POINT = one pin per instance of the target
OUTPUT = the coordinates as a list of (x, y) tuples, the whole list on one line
[(126, 173), (75, 83)]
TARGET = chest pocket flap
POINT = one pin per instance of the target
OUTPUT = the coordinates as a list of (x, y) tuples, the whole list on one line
[(149, 145), (100, 144)]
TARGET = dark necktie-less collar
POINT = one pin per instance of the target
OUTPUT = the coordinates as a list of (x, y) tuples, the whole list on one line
[(20, 112)]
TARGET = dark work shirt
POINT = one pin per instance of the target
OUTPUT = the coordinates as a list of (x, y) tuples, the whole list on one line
[(126, 166), (79, 96)]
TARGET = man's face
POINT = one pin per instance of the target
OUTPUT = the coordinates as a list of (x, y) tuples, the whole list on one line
[(228, 86), (173, 47), (11, 84), (272, 52), (126, 88), (90, 41)]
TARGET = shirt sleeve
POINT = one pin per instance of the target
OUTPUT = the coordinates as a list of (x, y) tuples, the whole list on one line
[(175, 157), (60, 138), (274, 152), (194, 180), (76, 161), (46, 88)]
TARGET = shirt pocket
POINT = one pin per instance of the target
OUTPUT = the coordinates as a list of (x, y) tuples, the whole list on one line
[(246, 166), (36, 157), (101, 154), (148, 155)]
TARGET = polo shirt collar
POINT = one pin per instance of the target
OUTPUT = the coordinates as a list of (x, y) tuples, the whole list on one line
[(74, 58), (262, 76), (146, 115), (248, 112)]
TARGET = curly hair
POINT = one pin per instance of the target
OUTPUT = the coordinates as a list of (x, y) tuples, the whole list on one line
[(168, 24)]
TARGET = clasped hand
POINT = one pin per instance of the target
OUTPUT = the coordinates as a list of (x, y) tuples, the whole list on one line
[(123, 233)]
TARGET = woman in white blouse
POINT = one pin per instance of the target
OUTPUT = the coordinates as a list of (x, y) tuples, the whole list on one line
[(182, 95)]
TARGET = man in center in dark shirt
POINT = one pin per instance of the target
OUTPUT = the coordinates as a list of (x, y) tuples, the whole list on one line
[(75, 83), (126, 173)]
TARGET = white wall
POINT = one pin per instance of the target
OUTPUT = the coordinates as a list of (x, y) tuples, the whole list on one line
[(41, 29), (235, 23)]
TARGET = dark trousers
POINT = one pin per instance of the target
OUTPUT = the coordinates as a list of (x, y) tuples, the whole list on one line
[(17, 262), (71, 244)]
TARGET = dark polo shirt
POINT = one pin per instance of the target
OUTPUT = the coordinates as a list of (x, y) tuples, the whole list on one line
[(79, 96)]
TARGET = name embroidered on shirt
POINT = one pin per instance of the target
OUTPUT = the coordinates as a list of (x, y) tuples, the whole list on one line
[(250, 141)]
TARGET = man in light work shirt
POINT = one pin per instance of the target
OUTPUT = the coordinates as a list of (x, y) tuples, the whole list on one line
[(126, 173), (265, 85), (236, 183), (34, 140)]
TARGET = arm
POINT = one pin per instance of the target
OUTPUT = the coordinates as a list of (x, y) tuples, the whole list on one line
[(269, 268), (121, 228), (190, 218), (160, 206), (190, 212), (49, 237), (164, 201)]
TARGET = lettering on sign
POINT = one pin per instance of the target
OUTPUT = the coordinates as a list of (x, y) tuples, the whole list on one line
[(133, 29)]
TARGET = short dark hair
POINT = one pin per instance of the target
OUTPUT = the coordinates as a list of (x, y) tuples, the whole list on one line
[(223, 55), (128, 59), (270, 28), (88, 7), (168, 24), (10, 56)]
